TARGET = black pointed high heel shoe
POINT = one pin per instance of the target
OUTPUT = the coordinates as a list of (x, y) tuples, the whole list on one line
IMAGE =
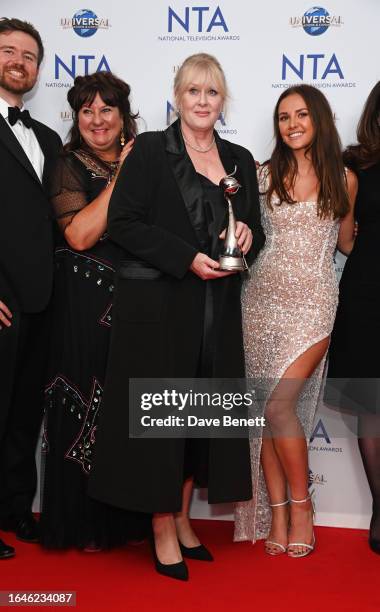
[(374, 545), (6, 551), (178, 571), (198, 553)]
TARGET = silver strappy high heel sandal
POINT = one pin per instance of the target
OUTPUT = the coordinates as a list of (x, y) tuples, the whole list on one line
[(309, 547), (276, 548)]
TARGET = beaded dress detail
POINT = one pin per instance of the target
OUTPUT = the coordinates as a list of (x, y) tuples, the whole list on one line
[(81, 323), (288, 304)]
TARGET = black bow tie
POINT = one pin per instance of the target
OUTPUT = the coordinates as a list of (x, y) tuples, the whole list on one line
[(14, 113)]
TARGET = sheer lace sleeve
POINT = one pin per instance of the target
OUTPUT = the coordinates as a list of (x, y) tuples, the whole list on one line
[(67, 193)]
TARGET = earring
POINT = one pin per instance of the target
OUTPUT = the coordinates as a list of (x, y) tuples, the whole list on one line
[(122, 138)]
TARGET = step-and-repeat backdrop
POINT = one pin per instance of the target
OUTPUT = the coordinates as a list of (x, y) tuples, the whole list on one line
[(263, 47)]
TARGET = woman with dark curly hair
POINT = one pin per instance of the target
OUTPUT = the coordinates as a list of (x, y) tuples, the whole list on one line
[(101, 137)]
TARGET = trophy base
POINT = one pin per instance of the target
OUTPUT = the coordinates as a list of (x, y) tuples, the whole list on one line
[(232, 264)]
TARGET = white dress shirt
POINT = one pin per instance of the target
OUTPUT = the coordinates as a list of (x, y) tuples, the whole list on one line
[(27, 140)]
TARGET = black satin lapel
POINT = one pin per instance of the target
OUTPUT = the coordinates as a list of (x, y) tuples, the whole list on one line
[(225, 153), (230, 162), (187, 181), (10, 141), (218, 223)]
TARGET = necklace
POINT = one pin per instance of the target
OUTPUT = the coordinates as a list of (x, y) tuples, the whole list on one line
[(199, 149)]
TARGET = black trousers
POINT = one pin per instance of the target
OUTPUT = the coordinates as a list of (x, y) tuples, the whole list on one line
[(23, 353)]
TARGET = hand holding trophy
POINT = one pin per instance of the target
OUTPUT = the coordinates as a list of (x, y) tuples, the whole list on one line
[(231, 257)]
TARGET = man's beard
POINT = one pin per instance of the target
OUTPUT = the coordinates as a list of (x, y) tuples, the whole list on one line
[(16, 87)]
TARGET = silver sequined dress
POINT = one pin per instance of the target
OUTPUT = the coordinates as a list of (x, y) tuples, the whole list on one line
[(289, 304)]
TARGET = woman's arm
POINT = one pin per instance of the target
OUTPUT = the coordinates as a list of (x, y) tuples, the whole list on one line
[(130, 210), (84, 228), (346, 237)]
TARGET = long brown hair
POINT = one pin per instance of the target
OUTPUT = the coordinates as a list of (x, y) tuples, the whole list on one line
[(325, 153), (113, 92), (367, 152)]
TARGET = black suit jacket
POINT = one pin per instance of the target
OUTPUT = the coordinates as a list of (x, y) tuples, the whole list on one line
[(26, 237)]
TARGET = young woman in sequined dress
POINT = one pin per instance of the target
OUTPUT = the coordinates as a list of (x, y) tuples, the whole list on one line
[(289, 307)]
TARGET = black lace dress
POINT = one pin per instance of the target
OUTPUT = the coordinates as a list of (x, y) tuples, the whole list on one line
[(82, 317)]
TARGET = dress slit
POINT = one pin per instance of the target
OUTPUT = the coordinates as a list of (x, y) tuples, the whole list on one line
[(301, 352)]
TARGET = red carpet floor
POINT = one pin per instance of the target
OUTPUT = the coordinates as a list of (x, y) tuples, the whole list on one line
[(341, 575)]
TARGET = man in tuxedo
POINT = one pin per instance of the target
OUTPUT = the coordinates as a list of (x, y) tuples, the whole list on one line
[(27, 151)]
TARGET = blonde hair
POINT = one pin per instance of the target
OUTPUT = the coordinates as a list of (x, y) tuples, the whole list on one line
[(196, 65)]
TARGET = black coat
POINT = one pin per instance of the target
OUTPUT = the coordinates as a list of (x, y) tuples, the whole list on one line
[(158, 322), (26, 238)]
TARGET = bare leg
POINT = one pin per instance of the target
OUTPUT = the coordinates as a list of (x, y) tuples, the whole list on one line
[(276, 485), (168, 528), (290, 448), (185, 532), (165, 539)]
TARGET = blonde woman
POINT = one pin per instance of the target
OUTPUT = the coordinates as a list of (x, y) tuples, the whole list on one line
[(176, 314)]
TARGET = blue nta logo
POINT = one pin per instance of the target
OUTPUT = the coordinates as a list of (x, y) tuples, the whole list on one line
[(201, 19), (316, 21), (311, 64), (80, 64), (171, 113), (320, 431), (85, 23)]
